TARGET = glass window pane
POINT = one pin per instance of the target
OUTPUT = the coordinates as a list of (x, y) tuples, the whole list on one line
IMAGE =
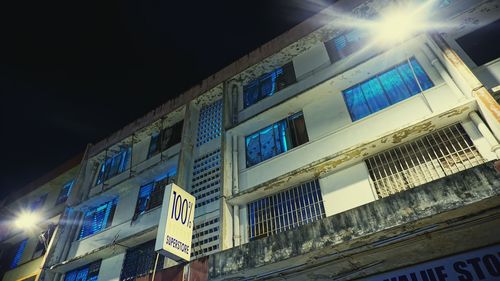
[(267, 143), (394, 86), (251, 93), (374, 95), (253, 149), (356, 103)]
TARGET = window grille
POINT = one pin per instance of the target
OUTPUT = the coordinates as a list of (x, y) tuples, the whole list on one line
[(345, 44), (210, 123), (89, 272), (268, 84), (285, 210), (386, 88), (166, 138), (19, 253), (140, 261), (114, 165), (275, 139), (151, 195), (205, 237), (64, 193), (97, 219), (428, 158)]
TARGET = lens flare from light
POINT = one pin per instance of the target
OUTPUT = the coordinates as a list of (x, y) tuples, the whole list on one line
[(27, 220), (398, 23)]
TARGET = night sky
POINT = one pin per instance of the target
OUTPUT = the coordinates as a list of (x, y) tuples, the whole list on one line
[(74, 72)]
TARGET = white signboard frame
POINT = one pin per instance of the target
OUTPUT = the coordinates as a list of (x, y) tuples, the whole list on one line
[(175, 230)]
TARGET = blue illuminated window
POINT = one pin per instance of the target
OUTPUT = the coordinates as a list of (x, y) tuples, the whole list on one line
[(151, 194), (38, 203), (268, 84), (166, 138), (114, 165), (64, 193), (345, 44), (89, 272), (98, 218), (275, 139), (386, 88), (19, 253)]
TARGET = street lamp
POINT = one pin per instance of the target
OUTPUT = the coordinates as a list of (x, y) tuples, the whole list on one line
[(398, 23), (27, 220)]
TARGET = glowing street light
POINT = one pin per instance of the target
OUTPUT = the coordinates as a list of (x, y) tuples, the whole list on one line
[(399, 23), (27, 220)]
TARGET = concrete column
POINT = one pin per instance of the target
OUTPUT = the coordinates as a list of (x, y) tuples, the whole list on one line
[(188, 141), (488, 106), (485, 131)]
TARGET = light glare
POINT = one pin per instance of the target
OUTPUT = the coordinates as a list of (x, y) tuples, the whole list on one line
[(27, 220), (400, 23)]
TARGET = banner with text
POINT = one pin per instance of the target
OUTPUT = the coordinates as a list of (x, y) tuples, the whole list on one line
[(482, 264)]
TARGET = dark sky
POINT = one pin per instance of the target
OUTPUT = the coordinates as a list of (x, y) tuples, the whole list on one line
[(73, 72)]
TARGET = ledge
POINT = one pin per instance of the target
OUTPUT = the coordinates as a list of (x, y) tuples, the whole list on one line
[(418, 210)]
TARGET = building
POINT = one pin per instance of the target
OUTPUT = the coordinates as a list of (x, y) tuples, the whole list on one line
[(24, 245), (318, 156)]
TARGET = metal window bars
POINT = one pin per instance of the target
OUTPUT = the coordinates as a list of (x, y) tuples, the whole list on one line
[(433, 156), (285, 210)]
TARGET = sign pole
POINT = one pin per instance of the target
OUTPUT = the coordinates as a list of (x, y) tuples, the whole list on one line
[(154, 268)]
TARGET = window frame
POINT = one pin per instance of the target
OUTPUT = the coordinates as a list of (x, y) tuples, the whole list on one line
[(107, 166), (281, 77), (88, 267), (157, 138), (158, 187), (66, 194), (110, 204), (287, 144), (376, 77)]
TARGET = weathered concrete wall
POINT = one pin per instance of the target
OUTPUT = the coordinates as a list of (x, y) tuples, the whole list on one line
[(354, 227)]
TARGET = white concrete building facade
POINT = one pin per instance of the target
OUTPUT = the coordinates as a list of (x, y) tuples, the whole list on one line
[(317, 156)]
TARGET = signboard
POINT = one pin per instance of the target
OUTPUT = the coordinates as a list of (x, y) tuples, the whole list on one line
[(482, 264), (175, 230)]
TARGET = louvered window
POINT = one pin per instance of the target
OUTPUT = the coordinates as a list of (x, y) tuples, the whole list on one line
[(89, 272), (19, 253), (98, 218)]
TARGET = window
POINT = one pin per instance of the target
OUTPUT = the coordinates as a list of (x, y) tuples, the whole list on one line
[(140, 261), (276, 139), (268, 84), (114, 165), (151, 195), (19, 253), (431, 157), (89, 272), (482, 45), (64, 193), (43, 242), (387, 88), (165, 138), (210, 123), (345, 44), (98, 218), (38, 203), (285, 210)]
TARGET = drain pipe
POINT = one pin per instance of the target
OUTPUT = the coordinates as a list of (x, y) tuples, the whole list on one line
[(442, 71), (235, 188), (485, 131)]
